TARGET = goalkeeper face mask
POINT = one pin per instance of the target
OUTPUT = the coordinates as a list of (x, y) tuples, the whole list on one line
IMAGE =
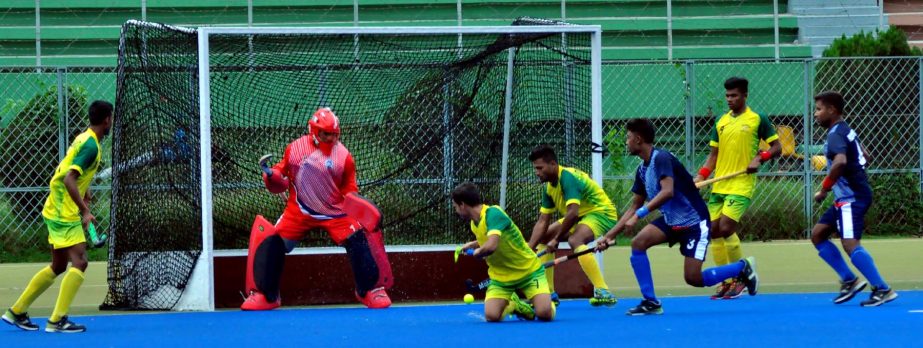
[(325, 121)]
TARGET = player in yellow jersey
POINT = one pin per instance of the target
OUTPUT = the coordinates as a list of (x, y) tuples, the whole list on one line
[(511, 264), (67, 214), (586, 214), (734, 142)]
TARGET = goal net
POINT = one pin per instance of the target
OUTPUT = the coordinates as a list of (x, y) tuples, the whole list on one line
[(421, 109)]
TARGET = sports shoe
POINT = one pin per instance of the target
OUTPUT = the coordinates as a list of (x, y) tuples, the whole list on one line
[(257, 302), (375, 299), (849, 289), (602, 297), (749, 277), (64, 325), (879, 297), (736, 289), (647, 307), (721, 290), (521, 309), (555, 299), (19, 320)]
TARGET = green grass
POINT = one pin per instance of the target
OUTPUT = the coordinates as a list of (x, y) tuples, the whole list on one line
[(783, 266)]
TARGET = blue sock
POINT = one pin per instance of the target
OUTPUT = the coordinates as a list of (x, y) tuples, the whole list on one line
[(832, 256), (642, 267), (863, 261), (715, 275)]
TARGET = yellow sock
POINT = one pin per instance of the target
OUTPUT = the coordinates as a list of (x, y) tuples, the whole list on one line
[(719, 251), (591, 268), (733, 247), (549, 272), (39, 283), (69, 286)]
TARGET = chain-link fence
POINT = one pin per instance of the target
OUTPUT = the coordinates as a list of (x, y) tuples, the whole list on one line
[(42, 110), (685, 99)]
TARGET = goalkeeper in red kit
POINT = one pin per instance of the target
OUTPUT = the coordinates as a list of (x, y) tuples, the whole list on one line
[(320, 176)]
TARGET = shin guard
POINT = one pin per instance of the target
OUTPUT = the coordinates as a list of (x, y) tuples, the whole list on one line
[(367, 214), (265, 259), (365, 270)]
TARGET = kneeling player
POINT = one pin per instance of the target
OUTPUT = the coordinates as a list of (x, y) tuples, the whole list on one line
[(663, 180), (320, 176), (512, 265)]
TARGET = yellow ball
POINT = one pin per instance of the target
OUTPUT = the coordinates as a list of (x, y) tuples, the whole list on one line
[(469, 298)]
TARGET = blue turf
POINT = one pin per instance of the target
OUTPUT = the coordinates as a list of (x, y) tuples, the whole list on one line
[(764, 320)]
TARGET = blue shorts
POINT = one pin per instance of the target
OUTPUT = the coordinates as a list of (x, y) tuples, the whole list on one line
[(693, 239), (847, 217)]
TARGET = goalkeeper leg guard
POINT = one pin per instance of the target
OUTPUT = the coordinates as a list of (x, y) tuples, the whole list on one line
[(367, 213), (265, 261), (377, 248), (366, 272)]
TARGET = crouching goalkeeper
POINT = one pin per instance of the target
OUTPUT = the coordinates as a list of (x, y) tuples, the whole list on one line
[(320, 175)]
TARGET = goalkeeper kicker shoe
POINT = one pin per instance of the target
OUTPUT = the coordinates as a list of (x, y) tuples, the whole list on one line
[(849, 289), (258, 302), (19, 320), (64, 325), (375, 299)]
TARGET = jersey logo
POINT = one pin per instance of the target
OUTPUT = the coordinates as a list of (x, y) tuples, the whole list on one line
[(328, 163)]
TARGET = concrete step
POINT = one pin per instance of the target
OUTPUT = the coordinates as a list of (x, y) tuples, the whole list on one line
[(827, 3), (834, 11)]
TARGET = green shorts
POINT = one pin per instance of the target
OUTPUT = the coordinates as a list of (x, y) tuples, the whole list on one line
[(599, 222), (732, 206), (64, 234), (533, 284)]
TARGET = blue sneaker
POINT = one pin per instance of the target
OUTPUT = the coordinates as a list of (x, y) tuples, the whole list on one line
[(602, 297)]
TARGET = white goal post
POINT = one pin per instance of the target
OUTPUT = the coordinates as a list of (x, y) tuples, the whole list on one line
[(199, 292)]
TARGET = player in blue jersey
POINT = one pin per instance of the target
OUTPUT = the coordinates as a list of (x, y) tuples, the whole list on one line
[(852, 198), (663, 181)]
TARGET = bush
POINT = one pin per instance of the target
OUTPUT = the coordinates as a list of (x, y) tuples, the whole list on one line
[(898, 208), (889, 43)]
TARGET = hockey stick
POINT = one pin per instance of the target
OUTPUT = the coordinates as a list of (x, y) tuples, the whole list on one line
[(700, 184)]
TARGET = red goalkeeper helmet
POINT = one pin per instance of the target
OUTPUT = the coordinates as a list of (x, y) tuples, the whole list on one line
[(323, 120)]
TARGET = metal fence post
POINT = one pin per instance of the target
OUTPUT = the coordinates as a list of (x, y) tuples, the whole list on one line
[(669, 30), (62, 114), (807, 126), (690, 111), (38, 36)]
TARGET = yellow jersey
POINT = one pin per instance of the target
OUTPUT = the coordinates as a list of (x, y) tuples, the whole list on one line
[(738, 139), (84, 156), (513, 260), (575, 186)]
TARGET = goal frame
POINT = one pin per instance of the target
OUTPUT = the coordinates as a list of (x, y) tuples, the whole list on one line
[(199, 292)]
